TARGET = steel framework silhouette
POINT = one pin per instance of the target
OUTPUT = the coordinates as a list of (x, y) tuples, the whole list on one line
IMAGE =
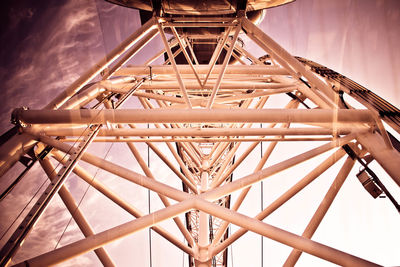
[(203, 110)]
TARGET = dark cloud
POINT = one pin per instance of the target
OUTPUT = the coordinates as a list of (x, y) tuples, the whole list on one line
[(46, 49), (46, 45)]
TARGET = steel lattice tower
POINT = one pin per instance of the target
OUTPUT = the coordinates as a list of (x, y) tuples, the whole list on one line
[(206, 101)]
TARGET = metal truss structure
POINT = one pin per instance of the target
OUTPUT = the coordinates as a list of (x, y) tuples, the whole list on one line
[(202, 112)]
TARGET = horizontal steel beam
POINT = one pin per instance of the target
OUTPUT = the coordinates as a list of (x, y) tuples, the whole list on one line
[(193, 116), (199, 24), (198, 19), (201, 140), (197, 131), (202, 69), (123, 88)]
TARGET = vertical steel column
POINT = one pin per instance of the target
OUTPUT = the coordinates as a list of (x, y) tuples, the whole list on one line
[(204, 218)]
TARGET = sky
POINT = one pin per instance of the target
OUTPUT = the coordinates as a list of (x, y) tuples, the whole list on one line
[(48, 44)]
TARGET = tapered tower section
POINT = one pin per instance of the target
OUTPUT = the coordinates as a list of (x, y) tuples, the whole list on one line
[(202, 115)]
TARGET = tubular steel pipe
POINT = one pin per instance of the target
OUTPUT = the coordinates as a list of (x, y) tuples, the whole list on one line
[(199, 19), (84, 175), (193, 116), (172, 60), (202, 69), (388, 158), (322, 209), (188, 44), (213, 194), (260, 164), (185, 53), (216, 53), (255, 33), (76, 212), (83, 98), (187, 180), (13, 150), (227, 159), (264, 173), (315, 173), (138, 46), (120, 171), (272, 87), (100, 66), (223, 68), (202, 140), (282, 236), (53, 131), (160, 53), (163, 199), (191, 154), (209, 195), (95, 241), (199, 24)]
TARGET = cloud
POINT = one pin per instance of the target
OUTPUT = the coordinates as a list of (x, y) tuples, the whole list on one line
[(60, 44), (17, 15)]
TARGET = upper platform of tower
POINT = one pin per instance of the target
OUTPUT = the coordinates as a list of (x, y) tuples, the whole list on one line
[(200, 7)]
